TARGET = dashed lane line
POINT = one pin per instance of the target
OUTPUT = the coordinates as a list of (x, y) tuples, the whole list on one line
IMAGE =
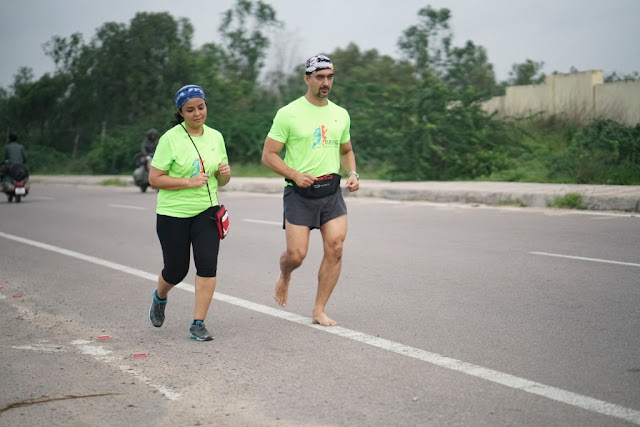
[(581, 258), (138, 208)]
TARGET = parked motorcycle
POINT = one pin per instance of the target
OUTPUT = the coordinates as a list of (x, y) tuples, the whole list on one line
[(15, 183), (142, 163)]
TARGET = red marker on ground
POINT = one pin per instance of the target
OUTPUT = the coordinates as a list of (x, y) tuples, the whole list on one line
[(140, 355), (17, 296), (104, 337)]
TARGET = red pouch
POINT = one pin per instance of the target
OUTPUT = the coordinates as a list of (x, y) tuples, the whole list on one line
[(222, 221)]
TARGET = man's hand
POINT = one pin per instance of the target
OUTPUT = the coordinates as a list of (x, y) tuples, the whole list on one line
[(353, 184), (304, 180)]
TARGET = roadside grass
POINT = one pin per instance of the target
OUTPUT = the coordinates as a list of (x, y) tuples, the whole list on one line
[(513, 202), (117, 182), (568, 201)]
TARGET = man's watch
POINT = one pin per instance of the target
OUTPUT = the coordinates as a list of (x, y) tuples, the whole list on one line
[(354, 173)]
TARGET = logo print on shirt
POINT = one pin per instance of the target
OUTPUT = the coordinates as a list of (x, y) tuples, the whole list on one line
[(197, 167), (320, 135)]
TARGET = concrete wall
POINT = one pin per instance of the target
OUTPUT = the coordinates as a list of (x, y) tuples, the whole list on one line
[(579, 96), (573, 94), (495, 105), (619, 101), (522, 101)]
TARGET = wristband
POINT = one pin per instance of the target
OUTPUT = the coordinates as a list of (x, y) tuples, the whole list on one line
[(354, 173)]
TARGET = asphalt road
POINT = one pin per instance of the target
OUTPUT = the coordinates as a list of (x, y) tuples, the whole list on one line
[(448, 315)]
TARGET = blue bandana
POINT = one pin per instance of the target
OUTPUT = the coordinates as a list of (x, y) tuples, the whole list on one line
[(187, 92)]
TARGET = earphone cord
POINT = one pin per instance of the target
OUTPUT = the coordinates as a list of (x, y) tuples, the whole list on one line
[(201, 162)]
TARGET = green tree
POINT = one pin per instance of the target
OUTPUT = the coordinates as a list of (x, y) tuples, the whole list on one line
[(614, 77), (469, 68), (239, 59), (68, 56), (243, 30), (527, 73), (64, 52), (375, 89), (427, 44), (446, 134)]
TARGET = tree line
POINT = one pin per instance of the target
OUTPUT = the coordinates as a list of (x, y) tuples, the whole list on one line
[(413, 118)]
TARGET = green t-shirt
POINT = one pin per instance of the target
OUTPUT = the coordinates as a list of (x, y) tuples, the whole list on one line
[(177, 155), (312, 135)]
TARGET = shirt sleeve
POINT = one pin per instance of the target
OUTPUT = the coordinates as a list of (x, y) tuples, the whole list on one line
[(163, 157), (346, 133), (280, 127)]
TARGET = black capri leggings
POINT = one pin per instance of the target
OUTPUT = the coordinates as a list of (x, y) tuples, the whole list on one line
[(177, 235)]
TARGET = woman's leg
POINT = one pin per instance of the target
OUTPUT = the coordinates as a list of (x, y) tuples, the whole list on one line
[(205, 287)]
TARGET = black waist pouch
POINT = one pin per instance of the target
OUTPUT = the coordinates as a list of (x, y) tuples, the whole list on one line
[(323, 186)]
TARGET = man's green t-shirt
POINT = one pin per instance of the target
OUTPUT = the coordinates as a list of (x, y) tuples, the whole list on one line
[(312, 135), (176, 154)]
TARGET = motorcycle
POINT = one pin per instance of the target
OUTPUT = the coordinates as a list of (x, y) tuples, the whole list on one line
[(15, 183), (142, 163)]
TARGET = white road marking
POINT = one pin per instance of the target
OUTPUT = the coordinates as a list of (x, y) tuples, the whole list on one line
[(114, 205), (260, 221), (99, 353), (86, 348), (512, 381), (25, 313), (34, 198), (607, 261), (47, 348), (166, 391)]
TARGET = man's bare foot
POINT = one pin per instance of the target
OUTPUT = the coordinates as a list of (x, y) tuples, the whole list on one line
[(324, 320), (282, 291)]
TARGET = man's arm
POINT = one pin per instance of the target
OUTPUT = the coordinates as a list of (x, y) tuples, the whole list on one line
[(348, 162), (271, 159)]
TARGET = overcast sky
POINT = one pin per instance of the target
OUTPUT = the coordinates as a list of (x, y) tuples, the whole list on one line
[(586, 34)]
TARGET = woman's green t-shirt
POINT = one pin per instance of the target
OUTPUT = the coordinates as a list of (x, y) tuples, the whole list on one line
[(177, 155)]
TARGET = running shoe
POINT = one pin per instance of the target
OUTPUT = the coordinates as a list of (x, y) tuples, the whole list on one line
[(199, 332), (156, 312)]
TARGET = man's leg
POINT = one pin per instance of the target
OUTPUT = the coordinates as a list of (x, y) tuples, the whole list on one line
[(297, 247), (333, 235)]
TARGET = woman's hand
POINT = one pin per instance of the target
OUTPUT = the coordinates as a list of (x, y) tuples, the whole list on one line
[(223, 175), (224, 169), (199, 180)]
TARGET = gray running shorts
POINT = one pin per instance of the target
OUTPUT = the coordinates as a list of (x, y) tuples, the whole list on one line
[(313, 213)]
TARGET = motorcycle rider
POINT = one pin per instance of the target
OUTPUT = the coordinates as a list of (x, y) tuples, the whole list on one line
[(14, 154), (143, 159), (150, 143)]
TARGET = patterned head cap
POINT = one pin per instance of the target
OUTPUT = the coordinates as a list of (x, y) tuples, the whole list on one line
[(187, 92), (317, 63)]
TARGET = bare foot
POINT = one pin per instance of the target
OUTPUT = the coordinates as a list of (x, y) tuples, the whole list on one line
[(282, 291), (324, 320)]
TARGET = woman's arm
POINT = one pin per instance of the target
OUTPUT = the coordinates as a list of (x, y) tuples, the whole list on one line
[(223, 174), (161, 179)]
